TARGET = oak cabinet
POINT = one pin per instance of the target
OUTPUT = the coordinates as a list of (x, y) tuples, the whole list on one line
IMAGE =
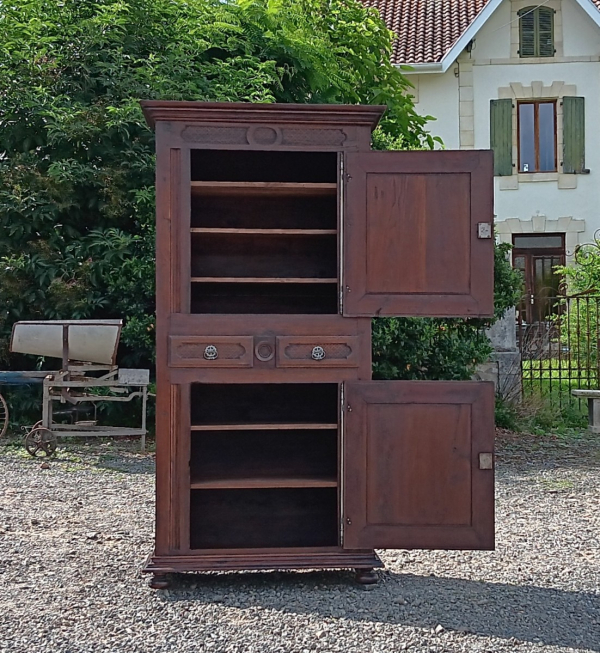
[(279, 236)]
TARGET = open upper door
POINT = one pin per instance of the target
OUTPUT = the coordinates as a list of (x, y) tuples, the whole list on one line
[(418, 465), (418, 234)]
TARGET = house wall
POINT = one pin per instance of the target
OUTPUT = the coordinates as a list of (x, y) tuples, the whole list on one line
[(434, 91), (580, 35), (526, 202)]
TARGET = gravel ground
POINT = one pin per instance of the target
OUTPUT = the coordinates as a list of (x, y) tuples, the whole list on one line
[(74, 537)]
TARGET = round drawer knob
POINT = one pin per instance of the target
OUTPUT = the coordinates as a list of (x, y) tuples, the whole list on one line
[(318, 353), (211, 352)]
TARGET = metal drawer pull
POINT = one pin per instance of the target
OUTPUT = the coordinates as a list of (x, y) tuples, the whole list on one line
[(211, 352), (318, 353)]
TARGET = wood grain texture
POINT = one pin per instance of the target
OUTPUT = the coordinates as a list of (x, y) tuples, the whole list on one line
[(305, 330), (261, 482), (227, 113), (410, 243), (252, 559), (411, 457), (231, 351), (249, 226), (270, 188), (338, 351), (264, 427), (265, 232)]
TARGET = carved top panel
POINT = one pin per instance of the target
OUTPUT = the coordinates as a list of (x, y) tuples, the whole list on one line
[(264, 135)]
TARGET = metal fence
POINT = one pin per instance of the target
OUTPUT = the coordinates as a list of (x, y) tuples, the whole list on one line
[(560, 352)]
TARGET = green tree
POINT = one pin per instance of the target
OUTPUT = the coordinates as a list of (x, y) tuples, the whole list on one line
[(77, 161)]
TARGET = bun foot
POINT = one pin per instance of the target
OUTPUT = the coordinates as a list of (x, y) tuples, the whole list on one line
[(160, 582), (366, 577)]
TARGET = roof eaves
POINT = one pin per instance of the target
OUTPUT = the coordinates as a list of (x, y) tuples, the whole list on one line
[(419, 68), (592, 9)]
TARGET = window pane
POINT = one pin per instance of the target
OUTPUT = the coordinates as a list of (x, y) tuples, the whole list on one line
[(547, 141), (526, 138), (537, 241), (519, 262)]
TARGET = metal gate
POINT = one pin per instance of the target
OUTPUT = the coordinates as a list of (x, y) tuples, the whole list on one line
[(560, 352)]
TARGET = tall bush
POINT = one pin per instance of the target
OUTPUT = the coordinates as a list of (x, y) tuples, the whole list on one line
[(77, 160)]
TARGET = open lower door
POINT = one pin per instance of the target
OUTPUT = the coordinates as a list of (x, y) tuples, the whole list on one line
[(417, 237), (418, 465)]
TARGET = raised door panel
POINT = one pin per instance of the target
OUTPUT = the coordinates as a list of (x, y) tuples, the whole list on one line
[(418, 465), (417, 234)]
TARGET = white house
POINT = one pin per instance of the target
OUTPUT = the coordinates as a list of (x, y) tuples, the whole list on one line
[(522, 77)]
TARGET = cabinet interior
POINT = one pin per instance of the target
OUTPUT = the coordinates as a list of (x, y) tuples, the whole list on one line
[(263, 518), (260, 403), (263, 465), (263, 232)]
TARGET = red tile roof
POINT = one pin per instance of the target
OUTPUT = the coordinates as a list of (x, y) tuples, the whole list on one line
[(427, 29)]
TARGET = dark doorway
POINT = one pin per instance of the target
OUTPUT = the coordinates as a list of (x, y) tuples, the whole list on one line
[(536, 256)]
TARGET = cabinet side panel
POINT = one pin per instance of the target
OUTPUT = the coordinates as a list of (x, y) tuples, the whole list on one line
[(166, 301), (170, 400)]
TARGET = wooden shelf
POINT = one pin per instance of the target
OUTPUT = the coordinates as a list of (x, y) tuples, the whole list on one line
[(226, 483), (261, 188), (264, 232), (263, 280), (263, 427)]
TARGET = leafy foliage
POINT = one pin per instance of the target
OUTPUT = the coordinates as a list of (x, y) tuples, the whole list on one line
[(77, 160), (578, 315)]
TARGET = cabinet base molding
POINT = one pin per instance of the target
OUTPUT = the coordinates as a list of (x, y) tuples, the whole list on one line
[(337, 559)]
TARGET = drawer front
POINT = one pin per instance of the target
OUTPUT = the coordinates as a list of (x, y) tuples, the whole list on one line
[(211, 351), (315, 351)]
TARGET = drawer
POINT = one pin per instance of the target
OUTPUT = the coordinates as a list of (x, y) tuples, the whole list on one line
[(211, 351), (315, 351)]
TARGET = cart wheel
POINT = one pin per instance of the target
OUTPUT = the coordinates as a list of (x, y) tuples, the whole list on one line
[(40, 442), (3, 416)]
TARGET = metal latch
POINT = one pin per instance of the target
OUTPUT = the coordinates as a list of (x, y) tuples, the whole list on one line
[(484, 230), (486, 461)]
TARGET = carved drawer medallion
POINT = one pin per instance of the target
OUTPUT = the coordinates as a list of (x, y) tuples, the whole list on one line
[(211, 351), (315, 351)]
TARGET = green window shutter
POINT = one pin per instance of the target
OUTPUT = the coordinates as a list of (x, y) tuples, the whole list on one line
[(545, 32), (574, 135), (527, 36), (501, 136)]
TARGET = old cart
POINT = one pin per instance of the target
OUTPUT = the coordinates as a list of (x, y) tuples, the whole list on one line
[(88, 375)]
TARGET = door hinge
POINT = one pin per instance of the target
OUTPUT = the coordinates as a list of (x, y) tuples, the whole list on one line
[(348, 177), (349, 408), (486, 461), (484, 230)]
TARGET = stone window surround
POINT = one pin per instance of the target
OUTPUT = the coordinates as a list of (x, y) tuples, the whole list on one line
[(516, 6), (537, 91), (540, 224)]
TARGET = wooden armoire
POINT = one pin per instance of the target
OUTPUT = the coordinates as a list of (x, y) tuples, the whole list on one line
[(280, 234)]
